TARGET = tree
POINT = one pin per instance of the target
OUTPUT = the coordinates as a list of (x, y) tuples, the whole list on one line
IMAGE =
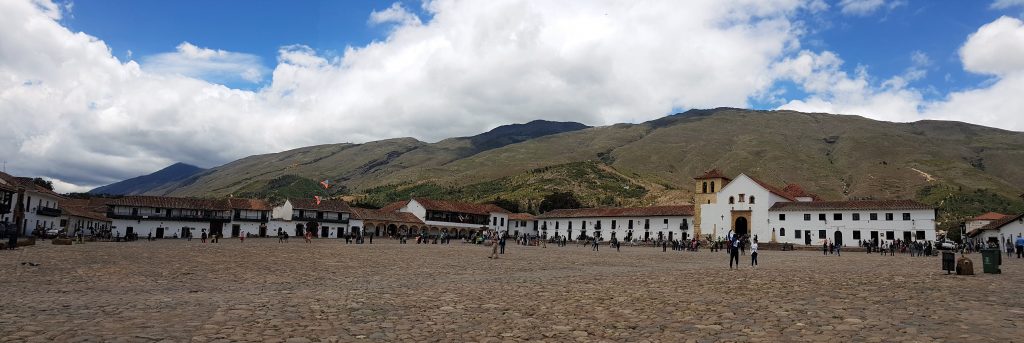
[(43, 183), (559, 200), (510, 205)]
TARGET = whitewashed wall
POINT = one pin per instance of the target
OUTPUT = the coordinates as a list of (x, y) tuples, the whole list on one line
[(920, 220)]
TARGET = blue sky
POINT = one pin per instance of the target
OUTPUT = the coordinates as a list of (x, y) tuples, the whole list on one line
[(100, 91)]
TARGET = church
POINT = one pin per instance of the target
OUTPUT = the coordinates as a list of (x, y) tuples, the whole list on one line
[(747, 206)]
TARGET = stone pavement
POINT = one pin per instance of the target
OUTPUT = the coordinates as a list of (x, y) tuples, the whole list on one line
[(178, 291)]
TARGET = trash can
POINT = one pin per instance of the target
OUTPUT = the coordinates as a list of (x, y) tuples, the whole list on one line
[(990, 260), (948, 262)]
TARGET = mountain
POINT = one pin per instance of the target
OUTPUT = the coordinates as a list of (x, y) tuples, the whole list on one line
[(147, 183), (835, 156)]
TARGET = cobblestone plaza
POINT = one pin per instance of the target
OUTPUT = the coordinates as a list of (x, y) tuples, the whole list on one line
[(178, 291)]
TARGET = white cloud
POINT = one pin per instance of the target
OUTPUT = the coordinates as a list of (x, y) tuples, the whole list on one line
[(207, 64), (860, 7), (396, 14), (996, 48), (1004, 4), (866, 7)]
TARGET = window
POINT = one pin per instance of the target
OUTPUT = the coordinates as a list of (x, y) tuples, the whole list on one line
[(796, 234), (821, 234), (666, 221), (888, 216), (751, 199), (821, 216), (556, 226), (732, 200), (613, 224), (782, 217), (630, 224), (890, 235), (837, 216), (906, 216), (807, 217), (856, 234), (712, 186), (647, 223), (919, 235), (158, 210), (570, 225), (856, 216), (782, 232), (494, 221), (742, 197), (502, 221), (873, 216), (705, 189)]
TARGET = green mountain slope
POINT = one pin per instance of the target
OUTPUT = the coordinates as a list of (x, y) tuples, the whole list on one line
[(835, 156)]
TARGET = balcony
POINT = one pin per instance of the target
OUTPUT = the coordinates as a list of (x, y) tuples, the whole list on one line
[(202, 217), (260, 218), (319, 219), (48, 211)]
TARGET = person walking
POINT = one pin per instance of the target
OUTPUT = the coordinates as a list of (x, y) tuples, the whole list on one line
[(753, 254), (838, 247), (241, 237), (1020, 246), (501, 244), (494, 247), (824, 247), (203, 236), (664, 246), (734, 253)]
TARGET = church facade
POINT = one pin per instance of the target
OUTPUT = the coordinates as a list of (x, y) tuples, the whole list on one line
[(747, 206)]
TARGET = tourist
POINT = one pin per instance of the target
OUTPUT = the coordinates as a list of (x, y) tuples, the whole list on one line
[(501, 244), (1020, 246), (734, 253), (494, 247), (837, 250), (753, 254), (824, 247), (241, 237), (203, 236), (308, 236), (149, 237)]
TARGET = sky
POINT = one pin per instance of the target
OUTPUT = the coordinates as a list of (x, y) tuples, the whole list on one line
[(93, 92)]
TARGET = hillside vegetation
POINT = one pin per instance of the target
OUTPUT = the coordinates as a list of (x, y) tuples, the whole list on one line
[(836, 156)]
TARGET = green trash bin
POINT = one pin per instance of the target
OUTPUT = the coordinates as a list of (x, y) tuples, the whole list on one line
[(990, 260)]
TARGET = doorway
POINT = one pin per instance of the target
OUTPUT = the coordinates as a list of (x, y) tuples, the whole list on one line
[(906, 236), (217, 228), (670, 236), (263, 230), (299, 228), (838, 238), (236, 230), (159, 232), (325, 232), (129, 231), (741, 227), (807, 237), (874, 237)]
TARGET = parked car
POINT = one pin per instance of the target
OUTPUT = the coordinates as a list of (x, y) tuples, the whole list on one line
[(945, 245), (52, 233)]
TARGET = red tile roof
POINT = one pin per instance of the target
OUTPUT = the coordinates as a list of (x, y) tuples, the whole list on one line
[(773, 189), (459, 207), (712, 174), (395, 206), (171, 202), (996, 224), (850, 205), (16, 182), (249, 204), (797, 191), (521, 216), (653, 211), (989, 216), (367, 214), (329, 205), (84, 209)]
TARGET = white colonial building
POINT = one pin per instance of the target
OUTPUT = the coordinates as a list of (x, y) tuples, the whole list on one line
[(523, 224), (166, 217), (41, 205), (747, 206), (330, 218), (458, 219), (624, 224), (1008, 227)]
